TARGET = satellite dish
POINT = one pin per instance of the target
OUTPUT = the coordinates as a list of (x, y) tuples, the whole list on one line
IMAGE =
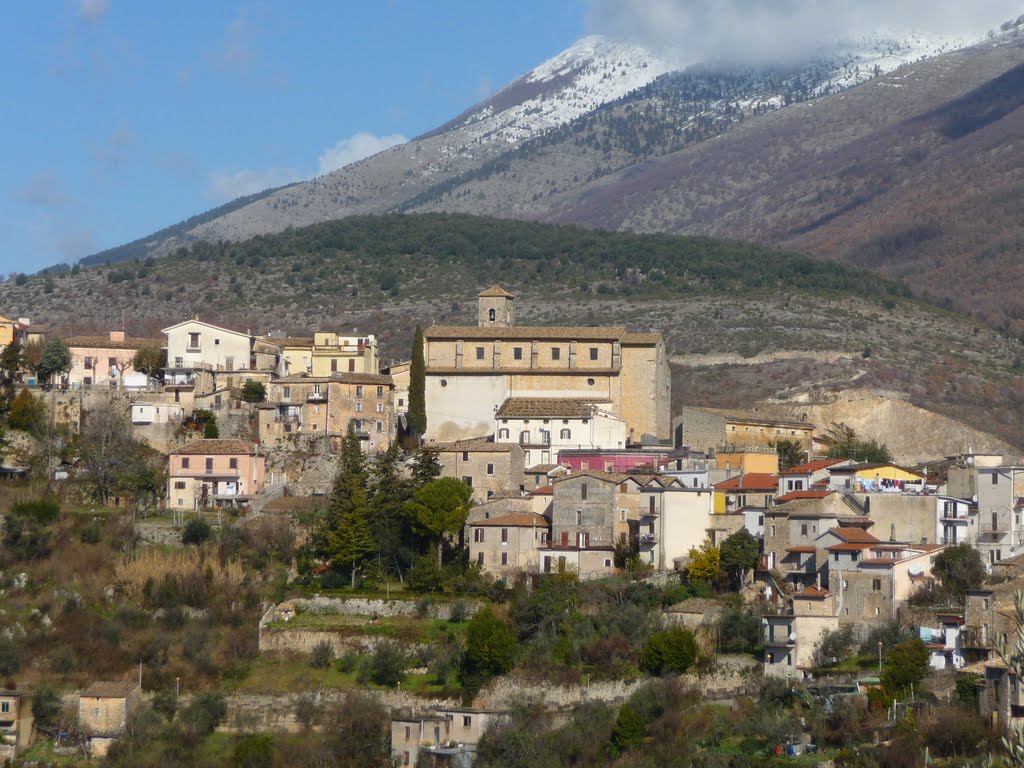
[(792, 637), (916, 569)]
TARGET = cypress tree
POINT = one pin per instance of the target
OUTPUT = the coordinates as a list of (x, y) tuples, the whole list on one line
[(418, 386), (343, 536)]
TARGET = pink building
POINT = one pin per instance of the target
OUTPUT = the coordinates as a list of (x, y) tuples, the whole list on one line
[(104, 360), (215, 473), (615, 460)]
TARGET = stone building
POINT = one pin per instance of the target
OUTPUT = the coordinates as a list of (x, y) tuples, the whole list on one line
[(324, 406), (472, 370), (15, 723), (103, 712), (709, 429), (487, 467), (508, 544)]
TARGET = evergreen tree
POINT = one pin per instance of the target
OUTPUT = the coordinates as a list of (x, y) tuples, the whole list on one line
[(343, 536), (10, 360), (55, 359), (425, 468), (629, 729), (739, 553), (440, 509), (391, 526), (418, 387)]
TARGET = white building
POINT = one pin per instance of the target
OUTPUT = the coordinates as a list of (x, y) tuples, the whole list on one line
[(545, 426), (674, 520), (956, 521)]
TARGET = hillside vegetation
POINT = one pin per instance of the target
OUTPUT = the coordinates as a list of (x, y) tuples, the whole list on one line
[(384, 275)]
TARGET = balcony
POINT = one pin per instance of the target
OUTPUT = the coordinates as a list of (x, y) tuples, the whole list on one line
[(975, 637), (287, 419), (316, 397), (211, 473), (648, 539), (196, 350), (778, 634), (540, 441)]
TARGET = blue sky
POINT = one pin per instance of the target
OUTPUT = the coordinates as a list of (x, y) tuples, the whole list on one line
[(124, 117)]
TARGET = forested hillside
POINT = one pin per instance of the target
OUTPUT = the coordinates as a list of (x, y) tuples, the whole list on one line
[(384, 275)]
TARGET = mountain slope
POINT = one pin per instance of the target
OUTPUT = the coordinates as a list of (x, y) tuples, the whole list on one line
[(793, 324), (913, 174)]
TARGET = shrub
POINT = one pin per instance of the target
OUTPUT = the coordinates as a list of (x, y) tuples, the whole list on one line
[(629, 730), (490, 649), (387, 665), (322, 656), (10, 656), (670, 650), (254, 751), (91, 533), (197, 531), (423, 606), (348, 662), (205, 713), (45, 707), (459, 612), (834, 646), (254, 392), (165, 703), (306, 710), (906, 665)]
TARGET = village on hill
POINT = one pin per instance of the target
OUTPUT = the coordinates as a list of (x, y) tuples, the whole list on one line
[(217, 531)]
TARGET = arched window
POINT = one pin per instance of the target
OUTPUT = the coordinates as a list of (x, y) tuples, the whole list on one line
[(492, 315), (503, 434), (566, 434)]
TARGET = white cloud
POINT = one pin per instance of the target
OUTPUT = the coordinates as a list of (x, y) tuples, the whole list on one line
[(223, 186), (93, 10), (355, 148), (762, 30), (44, 189)]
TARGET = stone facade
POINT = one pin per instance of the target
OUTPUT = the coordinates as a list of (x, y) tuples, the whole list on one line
[(103, 711), (488, 468), (509, 544)]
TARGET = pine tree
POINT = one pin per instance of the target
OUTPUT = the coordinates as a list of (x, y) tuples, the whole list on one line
[(391, 526), (343, 536), (425, 468), (440, 509), (418, 387)]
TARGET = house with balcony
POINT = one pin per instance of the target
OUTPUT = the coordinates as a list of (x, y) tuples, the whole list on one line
[(789, 638), (956, 521), (943, 640), (327, 352), (675, 519), (546, 426), (325, 406), (210, 473), (874, 478), (754, 489), (809, 476), (1000, 506)]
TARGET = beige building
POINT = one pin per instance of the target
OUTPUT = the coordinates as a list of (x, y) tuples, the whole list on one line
[(103, 712), (790, 639), (325, 406), (508, 544), (487, 467), (472, 370), (15, 723), (547, 426), (675, 519), (709, 429), (214, 473)]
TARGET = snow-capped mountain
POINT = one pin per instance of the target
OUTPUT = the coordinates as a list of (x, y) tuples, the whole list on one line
[(592, 72)]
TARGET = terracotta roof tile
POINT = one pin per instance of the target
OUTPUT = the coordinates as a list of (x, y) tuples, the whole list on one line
[(641, 339), (540, 407), (215, 447), (527, 333), (858, 535), (481, 444), (801, 550), (812, 590), (796, 495), (750, 481), (495, 292)]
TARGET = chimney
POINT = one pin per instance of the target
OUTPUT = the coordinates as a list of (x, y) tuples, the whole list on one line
[(117, 336), (892, 532)]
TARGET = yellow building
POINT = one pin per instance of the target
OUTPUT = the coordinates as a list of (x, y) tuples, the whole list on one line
[(873, 477), (327, 352), (8, 330), (472, 370), (764, 460)]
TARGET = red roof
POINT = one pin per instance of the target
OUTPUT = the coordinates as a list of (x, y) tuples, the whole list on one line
[(811, 466), (854, 535), (850, 547), (812, 591), (796, 495), (544, 490), (750, 481), (802, 550)]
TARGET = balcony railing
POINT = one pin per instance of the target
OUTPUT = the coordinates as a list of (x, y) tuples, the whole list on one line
[(204, 472), (975, 637), (316, 397), (779, 637), (194, 349), (541, 441), (648, 538), (288, 419)]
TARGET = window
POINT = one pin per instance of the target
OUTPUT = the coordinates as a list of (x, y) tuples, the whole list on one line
[(607, 562), (229, 363), (380, 426), (579, 517), (504, 535), (5, 706), (556, 353), (995, 478), (468, 480), (359, 407), (179, 485), (209, 465), (803, 529), (583, 491), (88, 363), (380, 391), (504, 558), (835, 557), (478, 535), (352, 365), (503, 434), (466, 721), (650, 505), (492, 315), (401, 402), (233, 463), (380, 407), (286, 393), (517, 353), (334, 365), (408, 735), (359, 391), (565, 434), (184, 462), (480, 558), (193, 341), (876, 585), (490, 469), (112, 362), (479, 353), (465, 455), (316, 389), (593, 353)]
